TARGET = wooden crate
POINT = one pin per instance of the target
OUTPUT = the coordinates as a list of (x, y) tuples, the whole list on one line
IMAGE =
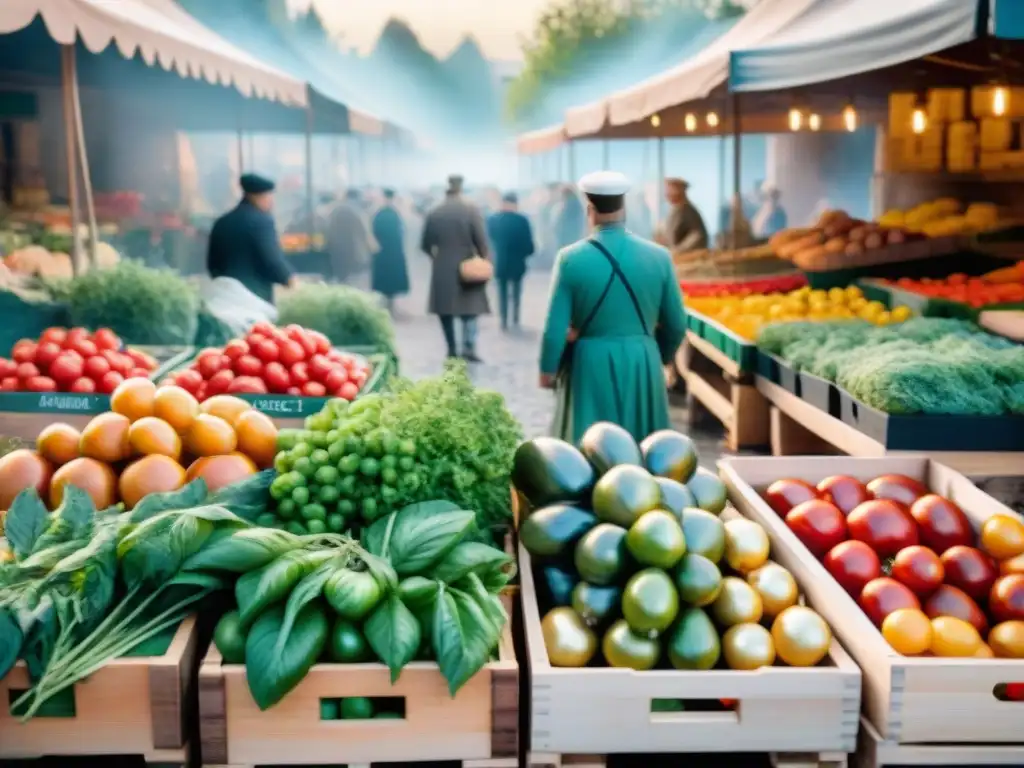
[(907, 700), (479, 727), (715, 382), (579, 716), (132, 706)]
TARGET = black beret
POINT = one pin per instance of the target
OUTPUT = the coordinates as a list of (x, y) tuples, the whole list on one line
[(254, 184)]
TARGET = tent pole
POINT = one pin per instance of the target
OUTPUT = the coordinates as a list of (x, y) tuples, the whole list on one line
[(309, 175), (83, 156), (606, 150), (71, 152), (737, 158), (661, 175), (334, 164), (572, 161)]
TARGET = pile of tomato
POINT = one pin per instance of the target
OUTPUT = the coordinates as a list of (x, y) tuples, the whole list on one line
[(912, 561), (974, 291), (272, 360), (742, 287), (63, 360)]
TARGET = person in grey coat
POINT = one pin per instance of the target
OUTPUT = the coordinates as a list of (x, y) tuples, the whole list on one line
[(453, 232), (349, 243)]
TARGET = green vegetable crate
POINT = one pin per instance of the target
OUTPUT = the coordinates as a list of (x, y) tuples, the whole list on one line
[(739, 350), (479, 726), (24, 414), (132, 706)]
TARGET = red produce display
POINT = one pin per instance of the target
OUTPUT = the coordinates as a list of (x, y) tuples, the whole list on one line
[(941, 522), (919, 569), (899, 488), (853, 564), (950, 601), (882, 596), (883, 526), (969, 569), (72, 360), (844, 491), (1006, 600), (818, 524), (271, 360), (783, 495)]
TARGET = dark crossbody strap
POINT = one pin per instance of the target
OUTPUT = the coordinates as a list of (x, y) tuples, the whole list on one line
[(616, 272)]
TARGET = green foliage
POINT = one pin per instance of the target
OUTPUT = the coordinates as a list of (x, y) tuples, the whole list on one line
[(347, 316)]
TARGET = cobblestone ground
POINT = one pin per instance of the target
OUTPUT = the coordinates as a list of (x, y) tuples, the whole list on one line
[(510, 359)]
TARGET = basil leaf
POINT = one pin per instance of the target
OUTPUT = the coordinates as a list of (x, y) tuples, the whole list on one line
[(191, 495), (276, 660), (479, 638), (375, 537), (418, 592), (243, 550), (496, 580), (25, 522), (447, 637), (418, 542), (258, 590), (248, 498), (468, 557), (394, 634), (305, 592), (10, 641), (491, 604)]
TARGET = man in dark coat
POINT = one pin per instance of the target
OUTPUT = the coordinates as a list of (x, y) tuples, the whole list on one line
[(348, 242), (390, 277), (512, 240), (454, 232), (244, 244)]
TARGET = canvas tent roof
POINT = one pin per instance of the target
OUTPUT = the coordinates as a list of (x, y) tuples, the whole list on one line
[(542, 140), (159, 31), (840, 38)]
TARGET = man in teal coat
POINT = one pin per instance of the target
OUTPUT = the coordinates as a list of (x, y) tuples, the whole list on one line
[(615, 318)]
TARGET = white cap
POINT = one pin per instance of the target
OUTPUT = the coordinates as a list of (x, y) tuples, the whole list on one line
[(608, 183)]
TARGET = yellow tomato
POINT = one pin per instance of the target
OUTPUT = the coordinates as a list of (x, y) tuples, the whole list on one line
[(883, 318), (1002, 536), (908, 631), (818, 295), (857, 303), (854, 292), (837, 295), (954, 637), (901, 314)]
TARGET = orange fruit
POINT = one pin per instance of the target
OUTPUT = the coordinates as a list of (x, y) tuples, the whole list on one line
[(220, 471), (210, 436), (1002, 536), (150, 435), (227, 407), (134, 398), (106, 438), (176, 406), (954, 637), (1007, 639), (58, 443), (1013, 565), (257, 437), (94, 477), (908, 631), (23, 469), (150, 474)]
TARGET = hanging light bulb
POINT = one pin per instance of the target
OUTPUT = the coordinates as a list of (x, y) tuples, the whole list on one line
[(850, 118), (712, 119), (690, 123), (919, 120), (814, 122), (796, 119), (999, 99), (655, 121)]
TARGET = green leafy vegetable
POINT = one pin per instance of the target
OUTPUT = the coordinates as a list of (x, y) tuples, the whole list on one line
[(10, 641), (394, 634), (276, 659), (353, 594), (258, 590), (469, 557), (347, 316), (191, 495), (419, 535), (25, 522), (242, 550)]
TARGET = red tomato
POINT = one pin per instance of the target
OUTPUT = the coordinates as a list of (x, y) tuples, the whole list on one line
[(202, 392), (83, 386), (844, 491), (882, 596), (919, 569), (74, 336), (298, 333), (337, 356), (291, 352), (138, 373), (785, 494), (348, 391), (96, 367), (1006, 600), (319, 367), (7, 368), (314, 389), (248, 365), (85, 348), (335, 379), (105, 338), (40, 384), (118, 362), (853, 564), (211, 365), (254, 339), (247, 385), (970, 569), (188, 380), (9, 384), (299, 373), (943, 524), (277, 378), (24, 351), (883, 526), (67, 368), (267, 351), (950, 601), (27, 370), (142, 360), (218, 383), (56, 335), (295, 391), (323, 344), (263, 328), (236, 348), (818, 524), (109, 382), (358, 378), (46, 353), (899, 488)]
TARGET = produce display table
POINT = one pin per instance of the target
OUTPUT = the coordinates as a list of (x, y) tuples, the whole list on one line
[(800, 428), (918, 710)]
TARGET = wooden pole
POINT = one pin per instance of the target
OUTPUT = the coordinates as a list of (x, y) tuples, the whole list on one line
[(83, 157), (67, 63), (572, 161), (661, 176), (737, 158), (310, 206)]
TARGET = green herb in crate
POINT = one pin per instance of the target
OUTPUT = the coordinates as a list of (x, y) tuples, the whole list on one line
[(347, 316)]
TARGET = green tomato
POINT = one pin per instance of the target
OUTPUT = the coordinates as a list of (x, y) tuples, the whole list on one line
[(330, 709), (282, 463), (407, 463), (229, 637), (354, 445), (391, 443), (313, 512), (347, 485), (304, 466), (369, 509), (327, 475), (319, 440), (389, 461), (266, 520), (352, 594), (407, 447), (316, 526), (320, 457), (296, 528), (286, 508), (356, 708), (347, 645), (336, 523), (332, 435), (287, 439), (410, 481), (369, 467), (388, 494), (328, 494), (346, 507), (336, 451), (389, 476), (350, 464), (301, 496), (301, 448), (280, 487)]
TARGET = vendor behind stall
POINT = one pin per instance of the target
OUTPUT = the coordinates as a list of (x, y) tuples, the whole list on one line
[(244, 243), (684, 229)]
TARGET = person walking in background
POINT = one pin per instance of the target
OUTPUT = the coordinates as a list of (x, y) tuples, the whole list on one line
[(389, 274), (684, 228), (615, 317), (452, 233), (512, 239), (348, 243), (771, 219)]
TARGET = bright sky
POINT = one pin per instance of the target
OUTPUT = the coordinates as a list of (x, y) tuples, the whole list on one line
[(498, 25)]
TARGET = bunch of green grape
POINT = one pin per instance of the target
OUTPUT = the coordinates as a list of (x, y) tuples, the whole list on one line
[(342, 472)]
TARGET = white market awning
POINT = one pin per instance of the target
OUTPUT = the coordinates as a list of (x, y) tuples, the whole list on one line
[(159, 31), (542, 140), (695, 78)]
